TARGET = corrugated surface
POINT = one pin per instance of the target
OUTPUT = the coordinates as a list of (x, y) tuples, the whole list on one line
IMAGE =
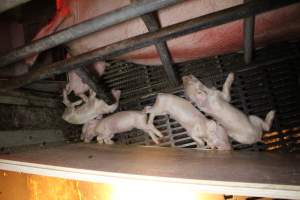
[(271, 83)]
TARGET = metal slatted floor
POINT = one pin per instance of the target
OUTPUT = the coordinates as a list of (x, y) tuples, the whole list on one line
[(272, 82)]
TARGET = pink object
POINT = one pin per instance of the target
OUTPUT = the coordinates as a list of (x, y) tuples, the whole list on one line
[(122, 122), (244, 129), (277, 25), (193, 121), (75, 113), (76, 84), (273, 26)]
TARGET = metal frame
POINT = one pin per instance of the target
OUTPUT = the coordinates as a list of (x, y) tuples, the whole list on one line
[(87, 27), (231, 14), (152, 22)]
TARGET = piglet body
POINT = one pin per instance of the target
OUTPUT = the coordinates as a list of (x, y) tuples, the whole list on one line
[(122, 122), (195, 123), (245, 129), (92, 108)]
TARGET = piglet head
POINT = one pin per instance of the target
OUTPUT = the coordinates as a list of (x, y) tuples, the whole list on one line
[(191, 81), (194, 89)]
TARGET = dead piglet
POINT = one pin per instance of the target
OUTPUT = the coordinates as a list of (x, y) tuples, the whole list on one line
[(195, 123), (244, 129), (122, 122), (90, 109)]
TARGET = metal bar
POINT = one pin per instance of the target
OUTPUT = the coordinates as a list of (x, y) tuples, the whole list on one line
[(9, 4), (92, 83), (249, 25), (108, 52), (152, 22), (26, 99), (89, 26)]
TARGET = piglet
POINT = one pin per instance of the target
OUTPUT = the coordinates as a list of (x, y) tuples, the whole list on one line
[(120, 122), (93, 107), (88, 129), (196, 124), (76, 84), (244, 129)]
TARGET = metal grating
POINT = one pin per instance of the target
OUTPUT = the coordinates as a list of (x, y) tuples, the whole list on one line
[(271, 83)]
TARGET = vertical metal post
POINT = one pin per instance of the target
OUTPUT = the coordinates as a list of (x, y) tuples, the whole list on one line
[(152, 22), (249, 25), (92, 83)]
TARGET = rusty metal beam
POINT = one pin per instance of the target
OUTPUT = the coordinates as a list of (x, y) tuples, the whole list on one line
[(87, 27), (108, 52), (152, 22)]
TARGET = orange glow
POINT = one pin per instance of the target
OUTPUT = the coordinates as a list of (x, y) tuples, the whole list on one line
[(16, 186), (266, 135), (59, 4)]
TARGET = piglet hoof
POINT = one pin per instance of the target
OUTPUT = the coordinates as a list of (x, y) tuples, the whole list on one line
[(100, 140), (156, 140), (108, 141), (270, 116), (116, 94), (86, 141), (230, 77)]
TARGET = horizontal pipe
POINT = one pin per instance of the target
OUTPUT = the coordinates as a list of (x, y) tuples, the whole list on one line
[(87, 27), (9, 4), (108, 52)]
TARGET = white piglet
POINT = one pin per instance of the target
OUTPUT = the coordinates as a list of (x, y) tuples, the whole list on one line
[(76, 85), (81, 114), (196, 124), (244, 129), (120, 122), (88, 129)]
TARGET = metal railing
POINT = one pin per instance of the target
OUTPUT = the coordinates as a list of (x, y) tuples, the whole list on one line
[(245, 10)]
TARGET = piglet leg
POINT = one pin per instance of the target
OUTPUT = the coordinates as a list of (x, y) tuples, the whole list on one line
[(111, 108), (195, 135), (116, 94), (104, 140), (217, 136), (66, 100), (83, 97), (263, 124), (76, 103), (151, 111), (227, 86), (152, 135), (108, 141), (100, 140), (152, 128)]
